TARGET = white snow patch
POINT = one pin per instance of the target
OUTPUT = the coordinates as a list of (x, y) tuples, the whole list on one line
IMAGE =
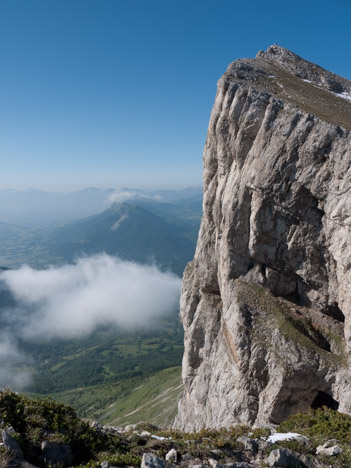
[(159, 437), (283, 436), (307, 81), (344, 96)]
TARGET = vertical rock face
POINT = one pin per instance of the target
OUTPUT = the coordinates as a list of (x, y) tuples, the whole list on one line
[(266, 302)]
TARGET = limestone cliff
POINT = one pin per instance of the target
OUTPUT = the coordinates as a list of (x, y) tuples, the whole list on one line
[(266, 302)]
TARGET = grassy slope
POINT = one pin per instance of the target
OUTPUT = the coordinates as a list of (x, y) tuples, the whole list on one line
[(153, 399)]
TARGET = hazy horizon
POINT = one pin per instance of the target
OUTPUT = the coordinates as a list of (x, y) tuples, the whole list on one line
[(81, 188)]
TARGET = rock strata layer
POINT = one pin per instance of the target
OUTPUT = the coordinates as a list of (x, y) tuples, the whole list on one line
[(266, 302)]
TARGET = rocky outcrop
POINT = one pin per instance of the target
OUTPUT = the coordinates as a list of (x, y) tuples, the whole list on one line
[(266, 302)]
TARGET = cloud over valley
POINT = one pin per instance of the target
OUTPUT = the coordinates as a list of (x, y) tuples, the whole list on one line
[(73, 300)]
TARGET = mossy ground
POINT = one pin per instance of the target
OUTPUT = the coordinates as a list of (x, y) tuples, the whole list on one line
[(319, 426), (298, 329)]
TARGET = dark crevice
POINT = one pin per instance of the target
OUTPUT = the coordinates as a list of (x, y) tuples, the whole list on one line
[(323, 399), (298, 296), (334, 311), (215, 292), (293, 297)]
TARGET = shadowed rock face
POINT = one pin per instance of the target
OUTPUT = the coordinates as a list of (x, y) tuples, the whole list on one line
[(266, 302)]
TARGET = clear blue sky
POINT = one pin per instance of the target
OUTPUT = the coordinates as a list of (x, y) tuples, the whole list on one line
[(119, 92)]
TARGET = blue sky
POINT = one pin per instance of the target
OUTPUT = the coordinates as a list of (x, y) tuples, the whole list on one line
[(119, 93)]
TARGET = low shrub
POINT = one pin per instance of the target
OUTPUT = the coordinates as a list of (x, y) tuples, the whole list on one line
[(37, 420)]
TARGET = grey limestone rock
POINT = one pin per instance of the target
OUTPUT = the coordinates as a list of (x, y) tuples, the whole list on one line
[(197, 466), (17, 463), (11, 445), (266, 302), (215, 464), (238, 465), (329, 449), (252, 445), (55, 453), (283, 458), (130, 427), (172, 456), (152, 461)]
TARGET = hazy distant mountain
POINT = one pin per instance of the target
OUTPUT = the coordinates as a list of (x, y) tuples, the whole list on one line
[(142, 229), (38, 208), (130, 232), (186, 214)]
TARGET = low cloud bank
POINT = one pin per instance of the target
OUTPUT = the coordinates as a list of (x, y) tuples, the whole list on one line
[(72, 300), (120, 196), (13, 372)]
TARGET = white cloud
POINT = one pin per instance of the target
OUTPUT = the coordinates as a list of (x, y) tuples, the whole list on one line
[(13, 373), (72, 300), (120, 196)]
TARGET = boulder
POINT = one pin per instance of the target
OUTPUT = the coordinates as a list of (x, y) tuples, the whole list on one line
[(152, 461), (328, 451), (251, 445), (12, 446), (55, 453), (17, 463), (172, 456), (284, 458)]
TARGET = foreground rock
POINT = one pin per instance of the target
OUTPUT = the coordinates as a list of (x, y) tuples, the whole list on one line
[(56, 454), (11, 446), (171, 456), (284, 458), (329, 449), (152, 461), (266, 301)]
